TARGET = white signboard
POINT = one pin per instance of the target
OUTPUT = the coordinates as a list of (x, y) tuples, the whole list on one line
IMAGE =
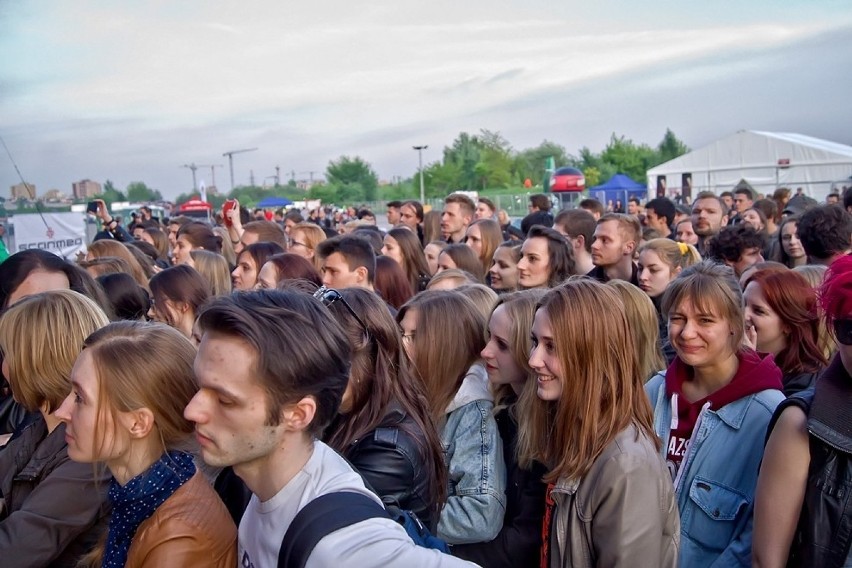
[(60, 233)]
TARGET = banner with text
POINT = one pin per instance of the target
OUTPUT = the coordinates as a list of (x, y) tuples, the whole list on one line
[(63, 234)]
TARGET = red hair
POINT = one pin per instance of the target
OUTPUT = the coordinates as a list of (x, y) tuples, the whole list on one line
[(790, 296), (836, 290)]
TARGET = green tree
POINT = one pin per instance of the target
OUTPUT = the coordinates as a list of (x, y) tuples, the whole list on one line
[(110, 194), (464, 154), (628, 158), (531, 163), (138, 191), (353, 178), (670, 148), (593, 176)]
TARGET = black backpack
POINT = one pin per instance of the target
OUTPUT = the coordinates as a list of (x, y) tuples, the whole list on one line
[(334, 511)]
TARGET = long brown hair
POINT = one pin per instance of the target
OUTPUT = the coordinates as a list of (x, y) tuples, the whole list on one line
[(602, 383), (491, 236), (413, 260), (644, 326), (450, 334), (381, 375)]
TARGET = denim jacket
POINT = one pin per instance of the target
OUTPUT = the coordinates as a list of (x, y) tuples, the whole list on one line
[(473, 452), (716, 484)]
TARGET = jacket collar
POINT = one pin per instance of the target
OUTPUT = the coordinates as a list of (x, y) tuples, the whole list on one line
[(45, 448)]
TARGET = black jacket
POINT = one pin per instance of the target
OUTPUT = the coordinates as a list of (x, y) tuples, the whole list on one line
[(824, 532), (54, 510), (544, 218), (390, 459), (519, 541)]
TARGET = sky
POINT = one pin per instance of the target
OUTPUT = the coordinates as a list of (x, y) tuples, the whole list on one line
[(132, 91)]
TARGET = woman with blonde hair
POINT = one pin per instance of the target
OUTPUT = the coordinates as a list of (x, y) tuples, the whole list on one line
[(214, 269), (105, 247), (227, 246), (432, 226), (505, 356), (304, 240), (484, 236), (54, 509), (159, 240), (643, 321), (126, 410), (443, 334), (589, 422), (432, 251), (659, 262)]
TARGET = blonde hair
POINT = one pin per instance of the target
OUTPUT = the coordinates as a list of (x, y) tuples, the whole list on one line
[(673, 253), (520, 310), (453, 275), (314, 235), (214, 268), (482, 297), (107, 247), (491, 235), (644, 325), (449, 336), (228, 251), (145, 365), (41, 337), (602, 384)]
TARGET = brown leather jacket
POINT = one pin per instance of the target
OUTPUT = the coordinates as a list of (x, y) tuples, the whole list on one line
[(621, 513), (192, 528)]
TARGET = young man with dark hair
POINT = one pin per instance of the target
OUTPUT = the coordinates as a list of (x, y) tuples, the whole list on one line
[(347, 261), (485, 209), (578, 228), (593, 206), (727, 198), (634, 207), (262, 413), (393, 212), (457, 215), (743, 199), (539, 214), (738, 246), (616, 237), (709, 215), (832, 198), (825, 232), (659, 215)]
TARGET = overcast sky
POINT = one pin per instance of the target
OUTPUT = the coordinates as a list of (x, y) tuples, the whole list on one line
[(130, 91)]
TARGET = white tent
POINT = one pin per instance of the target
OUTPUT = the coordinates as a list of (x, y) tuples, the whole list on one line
[(767, 160)]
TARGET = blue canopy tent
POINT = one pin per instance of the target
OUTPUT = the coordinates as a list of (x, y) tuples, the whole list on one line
[(618, 188), (274, 201)]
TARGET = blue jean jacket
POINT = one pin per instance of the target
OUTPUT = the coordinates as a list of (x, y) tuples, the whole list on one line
[(715, 490), (473, 452)]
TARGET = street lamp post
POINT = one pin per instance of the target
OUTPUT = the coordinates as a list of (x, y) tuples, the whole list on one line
[(420, 155)]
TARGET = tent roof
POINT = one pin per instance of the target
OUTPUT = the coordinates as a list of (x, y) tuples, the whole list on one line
[(274, 201), (752, 148), (618, 181)]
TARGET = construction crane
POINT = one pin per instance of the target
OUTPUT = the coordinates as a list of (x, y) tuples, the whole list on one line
[(193, 166), (231, 161)]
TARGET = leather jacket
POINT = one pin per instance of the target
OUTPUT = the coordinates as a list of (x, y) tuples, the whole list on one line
[(824, 532), (192, 528), (621, 513), (390, 459), (54, 509)]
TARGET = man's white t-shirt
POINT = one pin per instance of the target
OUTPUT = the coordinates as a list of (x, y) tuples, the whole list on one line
[(374, 542)]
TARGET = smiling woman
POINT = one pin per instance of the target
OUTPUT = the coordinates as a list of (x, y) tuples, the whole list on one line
[(714, 381)]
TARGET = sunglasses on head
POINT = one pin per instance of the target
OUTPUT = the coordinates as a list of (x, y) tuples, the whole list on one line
[(330, 296), (843, 330)]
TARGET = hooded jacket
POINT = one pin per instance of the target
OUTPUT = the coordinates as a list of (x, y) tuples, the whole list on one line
[(717, 477)]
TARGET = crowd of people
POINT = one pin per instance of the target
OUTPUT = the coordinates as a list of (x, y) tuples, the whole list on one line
[(667, 386)]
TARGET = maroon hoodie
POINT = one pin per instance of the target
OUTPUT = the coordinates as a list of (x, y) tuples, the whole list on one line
[(755, 373)]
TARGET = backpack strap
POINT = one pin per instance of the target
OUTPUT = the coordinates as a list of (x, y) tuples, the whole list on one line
[(321, 517)]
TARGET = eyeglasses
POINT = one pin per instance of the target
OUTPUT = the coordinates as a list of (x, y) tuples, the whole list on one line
[(843, 330), (330, 296)]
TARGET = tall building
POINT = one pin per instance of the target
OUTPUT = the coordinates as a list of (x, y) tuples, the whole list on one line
[(22, 191), (85, 189)]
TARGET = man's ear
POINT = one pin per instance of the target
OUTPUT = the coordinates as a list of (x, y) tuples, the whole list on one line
[(298, 417), (362, 273)]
